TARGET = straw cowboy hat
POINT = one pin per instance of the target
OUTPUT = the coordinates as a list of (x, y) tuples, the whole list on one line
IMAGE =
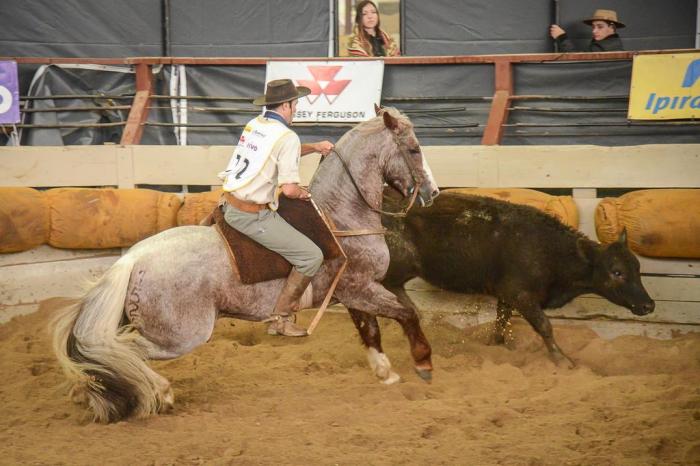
[(609, 16), (281, 90)]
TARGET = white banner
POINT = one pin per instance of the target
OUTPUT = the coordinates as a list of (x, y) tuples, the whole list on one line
[(341, 91)]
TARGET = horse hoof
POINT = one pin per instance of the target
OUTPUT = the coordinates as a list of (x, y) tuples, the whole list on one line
[(425, 374), (168, 401), (391, 379)]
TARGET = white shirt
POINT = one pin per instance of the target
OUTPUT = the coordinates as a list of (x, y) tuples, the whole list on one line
[(282, 167)]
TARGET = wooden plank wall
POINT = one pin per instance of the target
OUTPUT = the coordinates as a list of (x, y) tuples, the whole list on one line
[(29, 277)]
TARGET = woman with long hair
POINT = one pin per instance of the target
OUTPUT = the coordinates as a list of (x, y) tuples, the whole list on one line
[(368, 39)]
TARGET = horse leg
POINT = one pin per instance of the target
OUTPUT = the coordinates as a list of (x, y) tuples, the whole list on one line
[(371, 336), (168, 333), (153, 351), (376, 300), (412, 327)]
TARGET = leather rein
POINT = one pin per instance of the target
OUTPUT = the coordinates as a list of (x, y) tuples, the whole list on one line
[(402, 213)]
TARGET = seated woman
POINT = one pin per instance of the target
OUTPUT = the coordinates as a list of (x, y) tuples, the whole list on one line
[(368, 40), (604, 26)]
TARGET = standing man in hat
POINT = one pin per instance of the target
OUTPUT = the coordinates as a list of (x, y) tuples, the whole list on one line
[(604, 26), (265, 159)]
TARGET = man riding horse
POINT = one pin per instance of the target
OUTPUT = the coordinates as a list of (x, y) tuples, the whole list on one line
[(267, 157)]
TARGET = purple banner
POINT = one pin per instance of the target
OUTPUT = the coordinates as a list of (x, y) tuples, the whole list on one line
[(9, 93)]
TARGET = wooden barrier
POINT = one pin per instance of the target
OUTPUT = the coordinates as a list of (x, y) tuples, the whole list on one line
[(29, 277)]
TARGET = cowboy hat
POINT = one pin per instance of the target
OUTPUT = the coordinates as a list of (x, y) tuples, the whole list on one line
[(609, 16), (281, 90)]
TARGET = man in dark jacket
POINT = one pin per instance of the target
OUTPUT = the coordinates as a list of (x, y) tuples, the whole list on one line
[(604, 26)]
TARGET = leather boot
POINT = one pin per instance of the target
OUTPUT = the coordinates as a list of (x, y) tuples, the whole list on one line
[(287, 304)]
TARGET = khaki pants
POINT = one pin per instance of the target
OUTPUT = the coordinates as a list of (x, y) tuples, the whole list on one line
[(272, 231)]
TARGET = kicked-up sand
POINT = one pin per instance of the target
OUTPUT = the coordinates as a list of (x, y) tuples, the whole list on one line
[(246, 398)]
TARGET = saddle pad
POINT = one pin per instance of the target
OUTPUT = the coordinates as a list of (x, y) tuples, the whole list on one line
[(256, 263)]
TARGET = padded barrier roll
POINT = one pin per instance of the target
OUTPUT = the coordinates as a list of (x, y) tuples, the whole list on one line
[(108, 218), (197, 206), (561, 207), (24, 219), (659, 222)]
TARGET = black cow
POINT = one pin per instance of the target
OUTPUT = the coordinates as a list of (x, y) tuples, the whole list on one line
[(527, 259)]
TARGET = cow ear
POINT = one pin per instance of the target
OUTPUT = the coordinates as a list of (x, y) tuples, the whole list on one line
[(390, 122), (623, 236), (587, 249), (377, 109)]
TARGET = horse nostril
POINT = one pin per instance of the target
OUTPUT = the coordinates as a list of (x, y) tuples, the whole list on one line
[(435, 193), (649, 307)]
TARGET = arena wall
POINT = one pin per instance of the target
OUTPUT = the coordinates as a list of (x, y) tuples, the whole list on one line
[(29, 277)]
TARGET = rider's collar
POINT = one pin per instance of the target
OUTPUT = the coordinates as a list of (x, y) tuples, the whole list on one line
[(275, 116)]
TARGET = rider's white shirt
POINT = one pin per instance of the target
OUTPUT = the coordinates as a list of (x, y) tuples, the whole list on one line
[(274, 162)]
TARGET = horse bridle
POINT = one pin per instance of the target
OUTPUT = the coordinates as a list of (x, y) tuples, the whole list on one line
[(415, 179)]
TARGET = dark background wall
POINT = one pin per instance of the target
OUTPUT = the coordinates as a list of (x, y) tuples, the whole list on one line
[(454, 105), (244, 28), (471, 27)]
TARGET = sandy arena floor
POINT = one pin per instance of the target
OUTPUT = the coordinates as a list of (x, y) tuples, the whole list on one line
[(247, 398)]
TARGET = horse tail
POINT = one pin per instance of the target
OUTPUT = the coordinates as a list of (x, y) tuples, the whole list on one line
[(101, 356)]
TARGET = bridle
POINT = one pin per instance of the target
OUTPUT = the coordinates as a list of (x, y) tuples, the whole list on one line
[(414, 177)]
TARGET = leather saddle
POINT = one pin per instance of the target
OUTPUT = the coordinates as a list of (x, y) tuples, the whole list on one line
[(254, 262)]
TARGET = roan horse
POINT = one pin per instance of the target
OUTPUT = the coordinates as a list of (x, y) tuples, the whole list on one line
[(161, 299)]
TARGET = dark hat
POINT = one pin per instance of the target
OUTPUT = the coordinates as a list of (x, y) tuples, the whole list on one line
[(281, 90), (609, 16)]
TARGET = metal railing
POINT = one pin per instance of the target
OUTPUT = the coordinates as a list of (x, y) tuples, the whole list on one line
[(502, 102)]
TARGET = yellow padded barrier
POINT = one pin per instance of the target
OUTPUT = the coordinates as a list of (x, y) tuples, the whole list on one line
[(108, 218), (197, 206), (24, 219), (561, 207), (659, 222)]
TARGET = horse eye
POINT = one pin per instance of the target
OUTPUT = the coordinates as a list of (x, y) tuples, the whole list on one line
[(415, 151), (617, 273)]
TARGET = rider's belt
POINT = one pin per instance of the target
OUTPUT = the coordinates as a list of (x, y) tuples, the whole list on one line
[(244, 206)]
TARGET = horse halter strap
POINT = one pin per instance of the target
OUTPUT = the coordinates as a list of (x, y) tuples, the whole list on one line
[(416, 187)]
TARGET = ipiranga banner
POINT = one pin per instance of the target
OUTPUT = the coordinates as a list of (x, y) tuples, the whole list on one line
[(665, 87)]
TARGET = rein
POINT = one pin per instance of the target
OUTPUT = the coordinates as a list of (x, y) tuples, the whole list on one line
[(404, 211)]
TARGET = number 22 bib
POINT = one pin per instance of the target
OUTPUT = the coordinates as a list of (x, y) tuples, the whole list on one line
[(254, 148)]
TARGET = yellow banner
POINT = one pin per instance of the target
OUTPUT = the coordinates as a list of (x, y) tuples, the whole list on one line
[(665, 87)]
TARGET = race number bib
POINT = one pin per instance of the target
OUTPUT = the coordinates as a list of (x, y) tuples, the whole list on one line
[(254, 148)]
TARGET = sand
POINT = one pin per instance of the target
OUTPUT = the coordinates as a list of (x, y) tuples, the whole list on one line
[(248, 398)]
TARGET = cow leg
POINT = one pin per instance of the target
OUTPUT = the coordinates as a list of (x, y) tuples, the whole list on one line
[(503, 315), (376, 300), (368, 327), (540, 322)]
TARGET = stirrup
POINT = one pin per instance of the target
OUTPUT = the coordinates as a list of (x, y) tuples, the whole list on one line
[(277, 317), (285, 326)]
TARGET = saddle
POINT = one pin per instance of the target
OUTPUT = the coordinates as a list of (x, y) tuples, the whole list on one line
[(254, 262)]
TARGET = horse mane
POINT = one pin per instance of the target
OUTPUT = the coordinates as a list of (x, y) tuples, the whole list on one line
[(376, 124)]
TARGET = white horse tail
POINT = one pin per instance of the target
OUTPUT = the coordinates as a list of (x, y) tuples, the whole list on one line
[(100, 355)]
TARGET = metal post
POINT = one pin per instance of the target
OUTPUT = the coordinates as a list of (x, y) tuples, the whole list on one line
[(166, 51), (402, 27), (139, 107), (498, 115), (332, 26), (556, 21), (697, 26)]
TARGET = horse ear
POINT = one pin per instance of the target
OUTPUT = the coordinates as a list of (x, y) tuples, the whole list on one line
[(390, 122), (623, 236), (377, 109)]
